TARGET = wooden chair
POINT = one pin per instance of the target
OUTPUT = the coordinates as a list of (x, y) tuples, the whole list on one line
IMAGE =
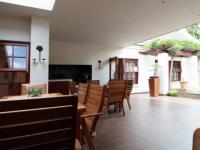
[(94, 82), (82, 92), (72, 87), (196, 139), (25, 87), (129, 87), (116, 94), (59, 87), (38, 123), (94, 106)]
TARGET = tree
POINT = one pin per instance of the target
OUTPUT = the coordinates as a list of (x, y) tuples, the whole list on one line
[(194, 30), (173, 46)]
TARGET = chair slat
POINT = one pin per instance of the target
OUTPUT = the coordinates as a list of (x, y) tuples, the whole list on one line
[(20, 117), (36, 102), (35, 139), (82, 92), (47, 122)]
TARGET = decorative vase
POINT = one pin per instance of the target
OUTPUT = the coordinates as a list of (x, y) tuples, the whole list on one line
[(154, 86)]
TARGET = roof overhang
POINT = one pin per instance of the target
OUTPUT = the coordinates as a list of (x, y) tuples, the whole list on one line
[(182, 53)]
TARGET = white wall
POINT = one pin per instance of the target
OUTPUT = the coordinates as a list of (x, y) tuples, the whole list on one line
[(39, 36), (76, 53), (163, 60), (14, 29), (193, 81)]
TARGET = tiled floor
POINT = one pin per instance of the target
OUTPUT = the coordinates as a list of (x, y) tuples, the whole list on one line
[(163, 123)]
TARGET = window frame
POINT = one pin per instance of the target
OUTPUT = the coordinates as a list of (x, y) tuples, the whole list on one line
[(116, 60), (17, 43), (179, 72), (134, 72)]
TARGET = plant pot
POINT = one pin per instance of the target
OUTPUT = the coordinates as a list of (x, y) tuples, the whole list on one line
[(154, 86), (183, 85)]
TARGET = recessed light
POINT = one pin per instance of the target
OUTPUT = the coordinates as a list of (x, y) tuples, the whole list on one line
[(40, 4)]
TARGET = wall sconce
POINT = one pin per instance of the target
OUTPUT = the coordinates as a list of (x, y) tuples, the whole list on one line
[(99, 61), (40, 49)]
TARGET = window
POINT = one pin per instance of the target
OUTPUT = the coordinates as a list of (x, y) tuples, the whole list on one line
[(131, 70), (40, 4), (123, 69), (176, 71), (14, 66)]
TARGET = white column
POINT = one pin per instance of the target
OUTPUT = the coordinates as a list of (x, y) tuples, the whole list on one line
[(193, 80), (39, 36), (164, 72)]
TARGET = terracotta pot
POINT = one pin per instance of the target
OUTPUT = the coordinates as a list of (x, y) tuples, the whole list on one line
[(183, 85), (154, 86)]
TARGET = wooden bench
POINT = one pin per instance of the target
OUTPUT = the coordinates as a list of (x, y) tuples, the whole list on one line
[(38, 123)]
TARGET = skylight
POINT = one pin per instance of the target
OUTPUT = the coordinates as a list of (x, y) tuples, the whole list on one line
[(40, 4)]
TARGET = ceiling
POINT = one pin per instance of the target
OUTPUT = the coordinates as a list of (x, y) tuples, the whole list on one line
[(112, 22)]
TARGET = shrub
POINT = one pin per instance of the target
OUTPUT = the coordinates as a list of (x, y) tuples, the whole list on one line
[(173, 93)]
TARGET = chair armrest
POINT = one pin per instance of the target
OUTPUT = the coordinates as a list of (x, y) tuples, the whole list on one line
[(91, 115)]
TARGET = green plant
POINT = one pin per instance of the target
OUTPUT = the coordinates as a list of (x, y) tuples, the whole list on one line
[(194, 30), (173, 93), (173, 46), (34, 92)]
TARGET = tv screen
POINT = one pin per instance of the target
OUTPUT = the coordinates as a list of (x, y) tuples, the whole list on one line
[(78, 73)]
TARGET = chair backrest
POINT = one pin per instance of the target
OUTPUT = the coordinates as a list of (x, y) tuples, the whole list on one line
[(116, 91), (38, 123), (95, 82), (82, 92), (72, 87), (196, 139), (25, 87), (94, 104), (59, 87), (129, 86)]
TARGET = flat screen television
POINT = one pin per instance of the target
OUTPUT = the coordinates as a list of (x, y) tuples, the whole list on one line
[(78, 73)]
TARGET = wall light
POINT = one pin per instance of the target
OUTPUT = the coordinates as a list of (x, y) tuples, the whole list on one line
[(40, 49), (99, 61)]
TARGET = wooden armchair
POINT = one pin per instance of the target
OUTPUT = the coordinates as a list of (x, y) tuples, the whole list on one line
[(25, 87), (129, 87), (116, 94), (94, 82), (94, 106), (82, 92), (38, 123), (72, 87), (196, 139)]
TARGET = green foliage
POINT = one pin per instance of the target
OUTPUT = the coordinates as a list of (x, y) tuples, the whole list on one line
[(33, 92), (174, 45), (194, 30), (173, 93)]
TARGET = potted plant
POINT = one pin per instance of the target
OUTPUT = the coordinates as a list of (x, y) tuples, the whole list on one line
[(154, 81), (34, 92)]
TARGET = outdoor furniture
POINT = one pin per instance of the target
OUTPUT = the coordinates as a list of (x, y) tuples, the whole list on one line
[(129, 87), (115, 94), (59, 87), (72, 87), (38, 123), (95, 82), (82, 92), (196, 139), (94, 106), (25, 87)]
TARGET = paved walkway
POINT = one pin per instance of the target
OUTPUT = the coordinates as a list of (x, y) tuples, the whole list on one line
[(162, 123)]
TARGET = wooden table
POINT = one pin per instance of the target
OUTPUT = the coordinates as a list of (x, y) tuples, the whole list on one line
[(81, 108)]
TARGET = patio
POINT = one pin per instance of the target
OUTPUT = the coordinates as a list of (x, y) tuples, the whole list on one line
[(162, 123)]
